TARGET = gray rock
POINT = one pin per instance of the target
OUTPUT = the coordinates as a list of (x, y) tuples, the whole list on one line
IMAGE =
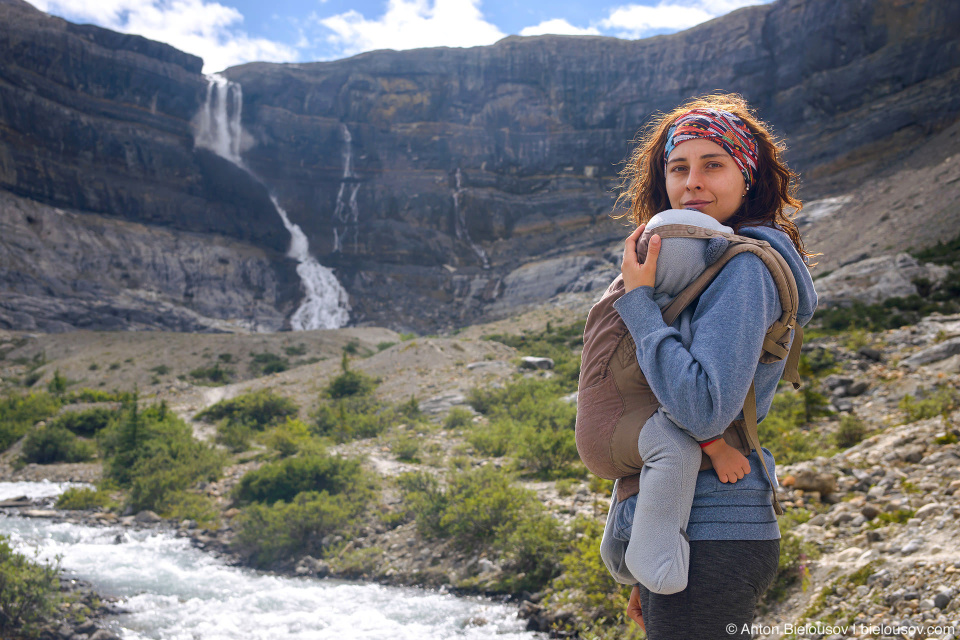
[(875, 279), (532, 362), (147, 516), (103, 634), (810, 480), (934, 353), (858, 388), (912, 546), (869, 511), (941, 600)]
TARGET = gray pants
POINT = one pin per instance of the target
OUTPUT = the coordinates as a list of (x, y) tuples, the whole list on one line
[(727, 578), (653, 523)]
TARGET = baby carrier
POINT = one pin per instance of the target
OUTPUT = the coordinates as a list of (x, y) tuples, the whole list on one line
[(614, 400)]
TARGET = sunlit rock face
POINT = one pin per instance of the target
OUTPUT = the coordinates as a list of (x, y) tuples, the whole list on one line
[(426, 178)]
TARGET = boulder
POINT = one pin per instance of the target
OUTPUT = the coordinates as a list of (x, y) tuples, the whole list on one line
[(875, 279)]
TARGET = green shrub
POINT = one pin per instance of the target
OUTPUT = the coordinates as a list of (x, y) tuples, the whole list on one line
[(549, 451), (96, 395), (381, 346), (257, 410), (584, 583), (354, 417), (283, 480), (482, 509), (77, 498), (20, 412), (410, 410), (288, 438), (795, 556), (216, 374), (299, 350), (161, 370), (473, 509), (349, 383), (266, 534), (29, 592), (58, 383), (528, 416), (850, 432), (941, 401), (406, 448), (458, 418), (267, 363), (781, 432), (494, 439), (84, 423), (530, 550), (153, 453), (185, 505), (53, 443)]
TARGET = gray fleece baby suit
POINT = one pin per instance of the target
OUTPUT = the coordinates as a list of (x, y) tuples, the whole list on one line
[(657, 551)]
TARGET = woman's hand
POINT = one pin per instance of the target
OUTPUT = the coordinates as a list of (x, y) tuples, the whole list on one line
[(633, 607), (636, 274)]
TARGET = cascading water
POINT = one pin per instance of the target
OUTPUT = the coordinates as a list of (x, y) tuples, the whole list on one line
[(460, 222), (346, 213), (174, 591), (325, 303)]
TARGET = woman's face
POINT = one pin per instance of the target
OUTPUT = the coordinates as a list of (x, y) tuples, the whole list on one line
[(702, 176)]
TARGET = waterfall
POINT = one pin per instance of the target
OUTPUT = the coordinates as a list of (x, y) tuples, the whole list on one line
[(346, 213), (325, 303), (460, 222)]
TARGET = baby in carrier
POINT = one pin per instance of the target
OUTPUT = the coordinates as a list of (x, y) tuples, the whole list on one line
[(653, 522)]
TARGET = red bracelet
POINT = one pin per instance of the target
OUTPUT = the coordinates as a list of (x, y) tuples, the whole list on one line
[(703, 444)]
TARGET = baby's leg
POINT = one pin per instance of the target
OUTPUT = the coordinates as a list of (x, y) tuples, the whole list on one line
[(658, 553)]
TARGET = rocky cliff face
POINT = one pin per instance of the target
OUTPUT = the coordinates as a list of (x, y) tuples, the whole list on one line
[(99, 121), (64, 270), (446, 185), (516, 147)]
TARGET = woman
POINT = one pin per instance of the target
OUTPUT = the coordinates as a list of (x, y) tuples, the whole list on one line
[(712, 155)]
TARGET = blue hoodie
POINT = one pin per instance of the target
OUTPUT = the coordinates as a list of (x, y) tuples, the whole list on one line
[(700, 369)]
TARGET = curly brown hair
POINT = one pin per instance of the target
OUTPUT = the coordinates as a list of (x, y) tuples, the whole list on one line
[(771, 200)]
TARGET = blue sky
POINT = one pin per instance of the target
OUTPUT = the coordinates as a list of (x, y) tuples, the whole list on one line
[(230, 32)]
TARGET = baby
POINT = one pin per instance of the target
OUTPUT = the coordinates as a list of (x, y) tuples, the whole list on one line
[(653, 523)]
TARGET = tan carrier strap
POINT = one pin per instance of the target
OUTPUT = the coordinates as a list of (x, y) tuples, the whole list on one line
[(778, 335), (750, 423)]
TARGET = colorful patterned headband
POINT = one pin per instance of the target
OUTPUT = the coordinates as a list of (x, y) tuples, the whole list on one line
[(721, 127)]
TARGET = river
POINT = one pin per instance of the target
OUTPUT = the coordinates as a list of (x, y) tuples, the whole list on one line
[(174, 591)]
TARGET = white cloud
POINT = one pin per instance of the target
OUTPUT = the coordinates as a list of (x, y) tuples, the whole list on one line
[(638, 21), (207, 29), (410, 24), (558, 26)]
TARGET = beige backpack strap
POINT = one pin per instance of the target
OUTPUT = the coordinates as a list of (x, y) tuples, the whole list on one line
[(750, 425)]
